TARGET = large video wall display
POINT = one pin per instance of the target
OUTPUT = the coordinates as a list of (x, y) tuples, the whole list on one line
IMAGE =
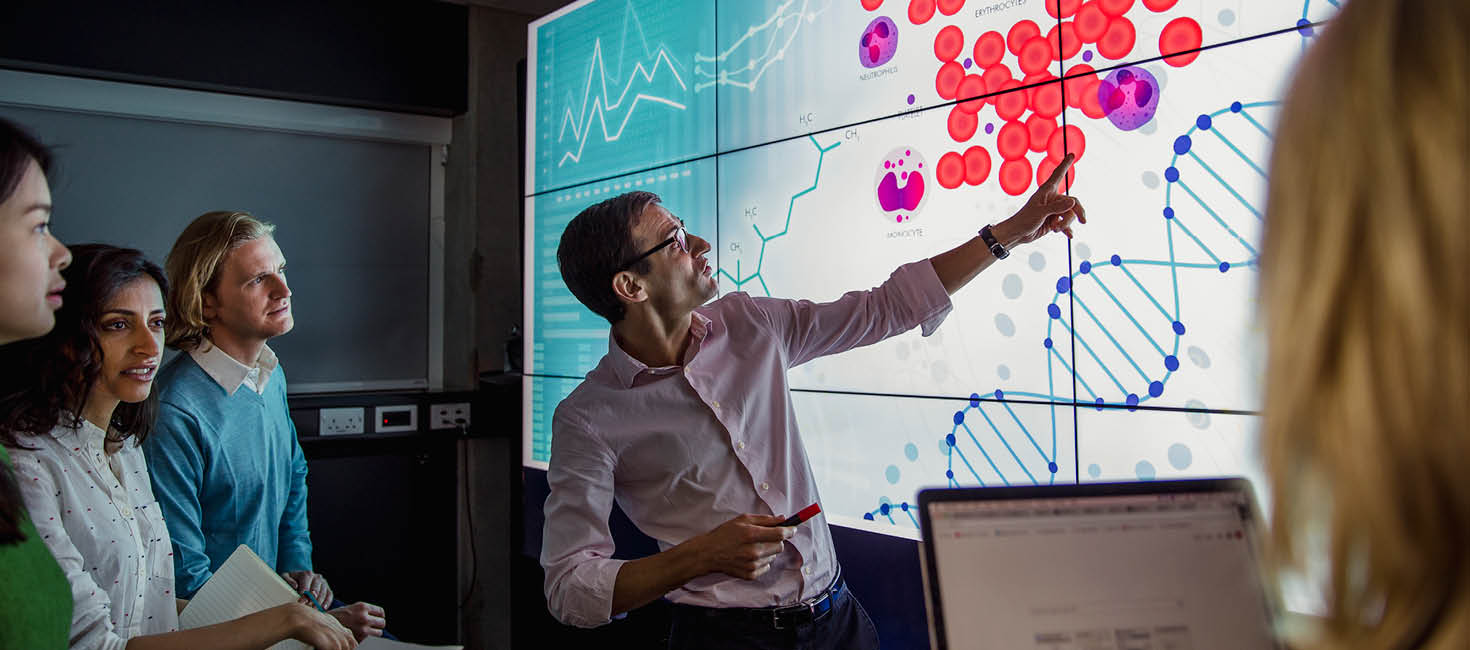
[(819, 144)]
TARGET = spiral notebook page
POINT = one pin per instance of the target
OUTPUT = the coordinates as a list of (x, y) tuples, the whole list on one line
[(244, 585)]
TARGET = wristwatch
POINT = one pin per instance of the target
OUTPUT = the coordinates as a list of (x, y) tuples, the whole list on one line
[(996, 248)]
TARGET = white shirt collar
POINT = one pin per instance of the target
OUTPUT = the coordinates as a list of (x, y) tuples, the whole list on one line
[(87, 435), (231, 374)]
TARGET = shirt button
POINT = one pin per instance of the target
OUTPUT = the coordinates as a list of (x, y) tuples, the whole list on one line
[(765, 486), (716, 405), (807, 570), (740, 445)]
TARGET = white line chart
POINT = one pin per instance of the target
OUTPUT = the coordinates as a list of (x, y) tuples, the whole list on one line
[(592, 109), (773, 29)]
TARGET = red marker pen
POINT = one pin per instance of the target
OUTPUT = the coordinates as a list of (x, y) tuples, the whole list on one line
[(801, 517)]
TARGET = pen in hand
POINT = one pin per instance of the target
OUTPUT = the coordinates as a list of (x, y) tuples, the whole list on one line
[(801, 517), (313, 601)]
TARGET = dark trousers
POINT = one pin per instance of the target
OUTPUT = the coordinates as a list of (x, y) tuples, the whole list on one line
[(845, 627)]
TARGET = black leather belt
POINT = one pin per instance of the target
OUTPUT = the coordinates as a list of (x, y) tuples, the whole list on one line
[(807, 611), (784, 616)]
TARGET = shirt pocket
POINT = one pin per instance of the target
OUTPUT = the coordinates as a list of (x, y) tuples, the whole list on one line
[(156, 544)]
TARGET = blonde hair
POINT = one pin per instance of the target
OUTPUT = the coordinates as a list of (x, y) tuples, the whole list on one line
[(1367, 317), (193, 268)]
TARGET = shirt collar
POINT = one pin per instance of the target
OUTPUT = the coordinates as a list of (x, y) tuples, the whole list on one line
[(627, 369), (83, 437), (229, 373)]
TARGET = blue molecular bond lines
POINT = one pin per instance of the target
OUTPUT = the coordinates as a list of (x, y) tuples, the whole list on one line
[(1304, 25), (766, 239), (1196, 220)]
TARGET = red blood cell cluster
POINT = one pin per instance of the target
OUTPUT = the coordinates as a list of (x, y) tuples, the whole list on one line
[(1013, 72)]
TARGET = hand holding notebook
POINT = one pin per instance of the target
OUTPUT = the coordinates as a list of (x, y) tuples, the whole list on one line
[(245, 585)]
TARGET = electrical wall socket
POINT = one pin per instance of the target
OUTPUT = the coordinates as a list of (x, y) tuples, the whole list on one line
[(396, 418), (340, 421), (444, 416)]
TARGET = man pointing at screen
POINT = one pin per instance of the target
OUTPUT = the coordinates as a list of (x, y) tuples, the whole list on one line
[(687, 423)]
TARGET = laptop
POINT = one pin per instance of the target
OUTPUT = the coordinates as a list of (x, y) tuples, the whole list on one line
[(1166, 565)]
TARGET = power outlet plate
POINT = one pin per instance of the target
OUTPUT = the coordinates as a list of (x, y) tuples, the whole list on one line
[(396, 418), (444, 416), (342, 421)]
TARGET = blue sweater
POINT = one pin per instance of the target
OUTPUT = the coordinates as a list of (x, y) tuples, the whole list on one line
[(227, 470)]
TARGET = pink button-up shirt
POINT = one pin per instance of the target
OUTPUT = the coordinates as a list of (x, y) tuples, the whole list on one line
[(684, 449)]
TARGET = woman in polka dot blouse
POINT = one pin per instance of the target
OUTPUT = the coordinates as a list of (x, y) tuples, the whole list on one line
[(79, 410)]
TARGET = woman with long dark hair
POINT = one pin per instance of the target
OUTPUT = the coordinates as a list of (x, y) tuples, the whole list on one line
[(35, 603), (79, 410)]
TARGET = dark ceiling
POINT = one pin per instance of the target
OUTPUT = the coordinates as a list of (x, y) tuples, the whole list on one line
[(535, 8)]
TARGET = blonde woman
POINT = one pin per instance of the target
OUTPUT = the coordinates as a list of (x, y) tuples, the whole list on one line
[(1366, 296)]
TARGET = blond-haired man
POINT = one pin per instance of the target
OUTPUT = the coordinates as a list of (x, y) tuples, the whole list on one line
[(226, 465)]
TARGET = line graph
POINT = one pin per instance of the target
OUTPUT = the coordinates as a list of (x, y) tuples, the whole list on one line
[(779, 31), (601, 103), (1128, 335), (614, 92)]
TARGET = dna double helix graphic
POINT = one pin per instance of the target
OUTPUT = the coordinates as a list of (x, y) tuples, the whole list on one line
[(1208, 220)]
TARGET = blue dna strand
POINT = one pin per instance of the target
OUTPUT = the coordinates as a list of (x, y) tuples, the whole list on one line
[(1123, 314)]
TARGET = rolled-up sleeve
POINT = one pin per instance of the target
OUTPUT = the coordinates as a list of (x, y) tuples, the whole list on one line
[(91, 618), (577, 546), (913, 296)]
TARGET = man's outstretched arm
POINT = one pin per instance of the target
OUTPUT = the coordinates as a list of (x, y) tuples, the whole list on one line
[(1047, 211)]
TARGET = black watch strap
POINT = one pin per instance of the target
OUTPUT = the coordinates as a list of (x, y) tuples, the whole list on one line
[(996, 248)]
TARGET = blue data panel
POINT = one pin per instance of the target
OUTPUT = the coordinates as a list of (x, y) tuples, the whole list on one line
[(563, 339), (540, 396), (612, 91)]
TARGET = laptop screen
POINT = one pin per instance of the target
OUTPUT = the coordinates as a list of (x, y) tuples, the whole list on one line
[(1155, 571)]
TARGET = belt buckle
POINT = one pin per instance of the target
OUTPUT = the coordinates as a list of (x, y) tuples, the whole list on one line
[(778, 616), (811, 609), (776, 619)]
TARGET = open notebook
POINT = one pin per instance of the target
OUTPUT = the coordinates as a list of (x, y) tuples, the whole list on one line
[(245, 585)]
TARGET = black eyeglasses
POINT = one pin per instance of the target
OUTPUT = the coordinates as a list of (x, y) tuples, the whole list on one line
[(680, 238)]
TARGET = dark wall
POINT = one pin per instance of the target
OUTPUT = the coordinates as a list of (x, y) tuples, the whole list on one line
[(382, 516), (404, 55)]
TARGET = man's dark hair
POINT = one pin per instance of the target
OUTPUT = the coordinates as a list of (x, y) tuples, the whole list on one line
[(595, 244)]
